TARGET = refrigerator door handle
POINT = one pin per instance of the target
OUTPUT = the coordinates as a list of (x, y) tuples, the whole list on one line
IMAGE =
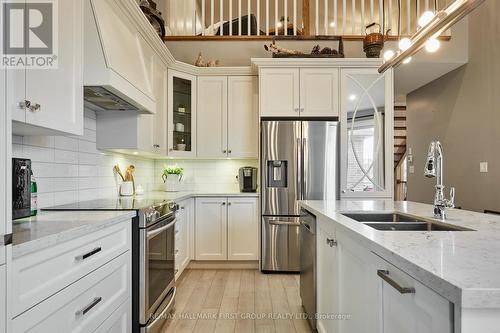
[(305, 162), (298, 176)]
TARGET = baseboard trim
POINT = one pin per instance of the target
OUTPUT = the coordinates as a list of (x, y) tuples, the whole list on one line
[(251, 264)]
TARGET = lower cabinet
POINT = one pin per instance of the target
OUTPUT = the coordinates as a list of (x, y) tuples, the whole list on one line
[(183, 235), (375, 295), (80, 285), (226, 229), (408, 306)]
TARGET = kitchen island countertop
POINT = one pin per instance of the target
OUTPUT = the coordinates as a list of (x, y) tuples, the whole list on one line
[(463, 266)]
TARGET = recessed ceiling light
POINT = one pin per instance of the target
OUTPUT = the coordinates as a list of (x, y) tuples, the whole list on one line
[(352, 97), (389, 54), (425, 18), (432, 45), (135, 153), (404, 44)]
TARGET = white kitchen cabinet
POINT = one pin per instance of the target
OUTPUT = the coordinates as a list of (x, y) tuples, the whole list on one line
[(120, 321), (183, 237), (367, 138), (145, 133), (84, 305), (227, 117), (242, 229), (294, 92), (242, 117), (211, 229), (212, 116), (181, 114), (415, 309), (279, 92), (319, 92), (327, 280), (45, 101), (226, 228)]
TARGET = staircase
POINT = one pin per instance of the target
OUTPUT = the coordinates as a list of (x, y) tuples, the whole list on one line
[(399, 133)]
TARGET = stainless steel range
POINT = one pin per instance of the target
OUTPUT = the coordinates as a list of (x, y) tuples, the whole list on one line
[(153, 256)]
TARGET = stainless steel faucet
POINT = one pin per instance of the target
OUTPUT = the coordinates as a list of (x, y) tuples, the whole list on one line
[(434, 168)]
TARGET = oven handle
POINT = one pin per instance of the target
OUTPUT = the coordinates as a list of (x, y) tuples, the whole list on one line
[(153, 233), (167, 308)]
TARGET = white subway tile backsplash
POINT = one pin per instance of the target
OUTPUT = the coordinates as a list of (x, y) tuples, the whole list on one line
[(64, 184), (17, 139), (89, 135), (65, 156), (39, 141), (87, 147), (90, 123), (89, 159), (65, 143), (38, 154), (61, 198), (88, 171)]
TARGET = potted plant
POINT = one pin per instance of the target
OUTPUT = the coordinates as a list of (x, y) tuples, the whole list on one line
[(171, 177)]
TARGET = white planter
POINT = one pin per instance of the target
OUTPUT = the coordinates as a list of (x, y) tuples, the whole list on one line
[(171, 183)]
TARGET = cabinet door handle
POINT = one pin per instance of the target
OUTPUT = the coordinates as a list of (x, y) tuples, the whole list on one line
[(332, 242), (35, 107), (182, 207), (24, 104), (229, 204), (88, 254), (89, 307), (223, 204), (384, 274), (156, 146), (224, 151), (229, 151)]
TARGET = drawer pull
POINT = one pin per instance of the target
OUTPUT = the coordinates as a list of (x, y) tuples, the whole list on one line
[(88, 254), (89, 307), (402, 290)]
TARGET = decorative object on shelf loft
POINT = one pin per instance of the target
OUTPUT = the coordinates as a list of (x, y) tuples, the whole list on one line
[(171, 178), (373, 43), (148, 7), (181, 108), (201, 63), (316, 52)]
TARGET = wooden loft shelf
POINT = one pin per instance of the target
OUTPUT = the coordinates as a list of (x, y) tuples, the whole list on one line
[(268, 38)]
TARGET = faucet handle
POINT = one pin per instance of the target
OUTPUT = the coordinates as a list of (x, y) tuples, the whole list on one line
[(452, 197)]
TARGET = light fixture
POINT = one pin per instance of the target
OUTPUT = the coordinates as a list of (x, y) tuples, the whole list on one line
[(443, 20), (407, 60), (404, 44), (425, 18), (279, 24), (389, 54), (432, 45), (136, 153), (352, 97), (332, 24)]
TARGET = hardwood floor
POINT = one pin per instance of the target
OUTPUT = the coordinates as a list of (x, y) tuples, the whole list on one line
[(223, 301)]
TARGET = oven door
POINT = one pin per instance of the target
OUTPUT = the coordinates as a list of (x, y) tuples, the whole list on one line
[(157, 268)]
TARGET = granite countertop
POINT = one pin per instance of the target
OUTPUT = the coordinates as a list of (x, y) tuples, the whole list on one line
[(463, 266), (50, 228)]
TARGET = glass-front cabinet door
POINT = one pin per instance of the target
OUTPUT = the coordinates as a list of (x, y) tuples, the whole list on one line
[(181, 114), (367, 133)]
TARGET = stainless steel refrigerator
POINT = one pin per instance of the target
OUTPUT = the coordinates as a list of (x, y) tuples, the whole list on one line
[(298, 162)]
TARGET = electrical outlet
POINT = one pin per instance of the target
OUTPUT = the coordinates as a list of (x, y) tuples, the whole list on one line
[(483, 167), (411, 169)]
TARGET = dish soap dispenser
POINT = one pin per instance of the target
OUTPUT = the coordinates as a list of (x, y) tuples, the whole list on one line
[(34, 196)]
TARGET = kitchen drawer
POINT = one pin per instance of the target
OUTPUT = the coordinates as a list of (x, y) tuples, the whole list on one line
[(37, 276), (420, 310), (120, 321), (84, 305)]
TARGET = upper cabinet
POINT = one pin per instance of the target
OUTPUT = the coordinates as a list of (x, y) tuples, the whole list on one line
[(181, 114), (366, 134), (227, 117), (50, 100), (294, 92)]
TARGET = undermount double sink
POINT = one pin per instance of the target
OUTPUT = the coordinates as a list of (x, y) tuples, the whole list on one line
[(401, 222)]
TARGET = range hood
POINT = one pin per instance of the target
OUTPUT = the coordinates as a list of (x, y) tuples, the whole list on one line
[(118, 62)]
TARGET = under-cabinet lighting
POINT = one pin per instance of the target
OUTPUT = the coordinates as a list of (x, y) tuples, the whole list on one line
[(443, 20)]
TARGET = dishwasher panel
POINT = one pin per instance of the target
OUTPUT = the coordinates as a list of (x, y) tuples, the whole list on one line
[(308, 265)]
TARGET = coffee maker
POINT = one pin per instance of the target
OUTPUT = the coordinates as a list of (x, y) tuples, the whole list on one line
[(21, 188), (247, 177)]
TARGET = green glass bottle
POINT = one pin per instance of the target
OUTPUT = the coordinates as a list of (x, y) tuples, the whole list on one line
[(34, 196)]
